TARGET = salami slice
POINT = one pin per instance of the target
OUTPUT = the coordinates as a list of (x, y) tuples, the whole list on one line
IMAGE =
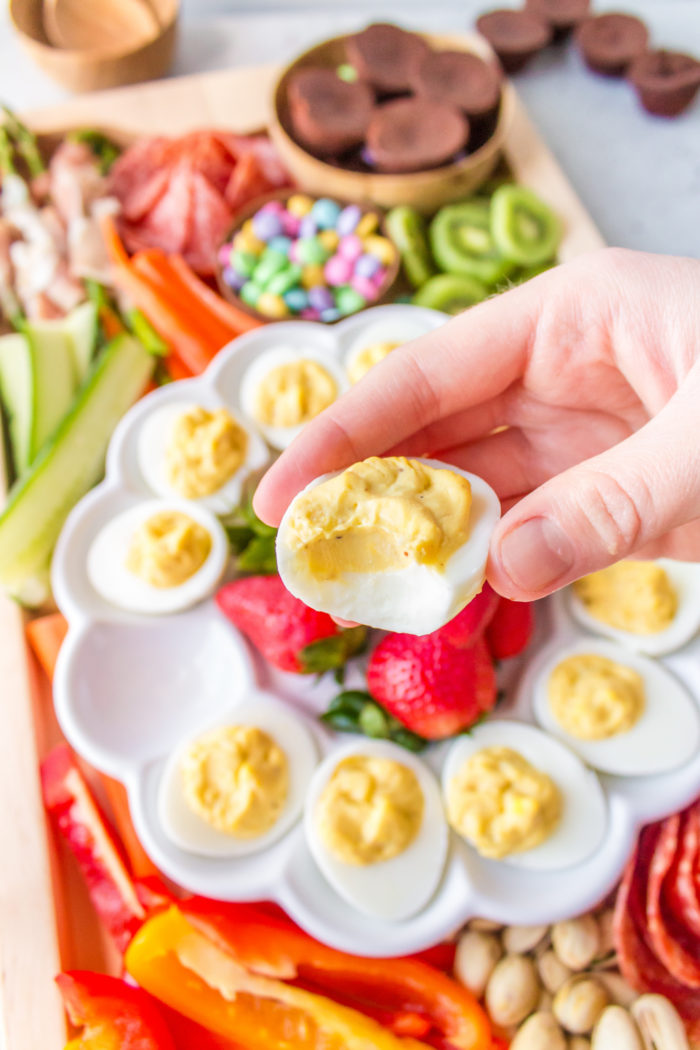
[(681, 889), (667, 937), (211, 218)]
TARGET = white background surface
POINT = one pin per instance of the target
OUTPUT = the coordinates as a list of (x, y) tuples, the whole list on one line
[(639, 176)]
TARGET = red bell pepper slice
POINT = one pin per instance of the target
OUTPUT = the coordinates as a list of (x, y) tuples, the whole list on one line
[(113, 1015)]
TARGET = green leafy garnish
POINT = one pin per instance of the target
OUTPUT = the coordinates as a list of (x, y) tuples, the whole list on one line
[(327, 654), (252, 541), (104, 150), (354, 711)]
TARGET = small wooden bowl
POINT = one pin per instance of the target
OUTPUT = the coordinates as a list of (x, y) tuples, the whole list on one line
[(97, 68), (390, 289), (424, 190)]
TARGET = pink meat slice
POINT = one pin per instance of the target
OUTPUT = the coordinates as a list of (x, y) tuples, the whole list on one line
[(681, 889), (211, 218), (667, 937)]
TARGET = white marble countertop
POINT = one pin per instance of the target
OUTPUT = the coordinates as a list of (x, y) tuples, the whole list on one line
[(639, 176)]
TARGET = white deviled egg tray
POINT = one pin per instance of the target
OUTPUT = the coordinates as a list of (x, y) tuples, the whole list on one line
[(129, 689)]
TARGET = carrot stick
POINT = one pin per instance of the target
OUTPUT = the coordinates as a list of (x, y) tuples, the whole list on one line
[(113, 242), (236, 319), (45, 635), (111, 324), (176, 368), (140, 863)]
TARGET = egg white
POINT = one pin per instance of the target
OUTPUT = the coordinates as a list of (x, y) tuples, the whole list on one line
[(154, 440), (685, 580), (666, 735), (399, 330), (190, 832), (583, 820), (107, 554), (280, 437), (414, 600), (394, 889)]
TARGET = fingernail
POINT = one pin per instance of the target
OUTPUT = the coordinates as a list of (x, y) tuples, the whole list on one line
[(536, 554)]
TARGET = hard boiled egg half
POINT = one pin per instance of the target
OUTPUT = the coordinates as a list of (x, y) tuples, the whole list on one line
[(200, 453), (286, 387), (375, 826), (377, 340), (620, 712), (652, 607), (576, 827), (237, 787), (394, 543), (159, 556)]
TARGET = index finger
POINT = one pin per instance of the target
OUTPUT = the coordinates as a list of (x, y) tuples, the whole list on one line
[(469, 360)]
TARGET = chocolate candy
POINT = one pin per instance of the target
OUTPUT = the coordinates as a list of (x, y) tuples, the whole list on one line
[(386, 56), (561, 15), (665, 81), (609, 43), (328, 115), (461, 79), (515, 36), (413, 134)]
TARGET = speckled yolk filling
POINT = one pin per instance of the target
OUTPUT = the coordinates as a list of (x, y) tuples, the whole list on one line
[(206, 448), (167, 549), (293, 393)]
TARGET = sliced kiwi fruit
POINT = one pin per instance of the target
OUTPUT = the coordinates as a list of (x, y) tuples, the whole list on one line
[(406, 228), (523, 228), (451, 293), (462, 242)]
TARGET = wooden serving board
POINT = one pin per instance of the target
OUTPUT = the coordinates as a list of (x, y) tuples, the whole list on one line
[(46, 921)]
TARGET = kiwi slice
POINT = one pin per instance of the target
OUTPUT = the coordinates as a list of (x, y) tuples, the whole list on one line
[(462, 242), (523, 227), (521, 274), (406, 228), (451, 293)]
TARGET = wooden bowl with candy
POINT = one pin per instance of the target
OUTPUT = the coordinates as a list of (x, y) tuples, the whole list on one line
[(391, 156), (293, 256)]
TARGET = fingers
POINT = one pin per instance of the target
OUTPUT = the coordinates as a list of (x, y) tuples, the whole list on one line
[(604, 509), (468, 361)]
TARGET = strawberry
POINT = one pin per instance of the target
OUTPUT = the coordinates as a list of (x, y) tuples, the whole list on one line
[(472, 621), (288, 633), (433, 687), (510, 629)]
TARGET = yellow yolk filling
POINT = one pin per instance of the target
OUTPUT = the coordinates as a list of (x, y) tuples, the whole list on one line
[(593, 697), (293, 393), (367, 358), (371, 810), (167, 549), (237, 779), (378, 515), (205, 450), (634, 596), (501, 803)]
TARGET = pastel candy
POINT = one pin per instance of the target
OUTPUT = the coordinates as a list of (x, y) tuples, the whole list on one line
[(338, 270), (367, 265), (348, 219), (350, 247)]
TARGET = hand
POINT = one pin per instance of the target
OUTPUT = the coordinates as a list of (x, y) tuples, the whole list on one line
[(593, 368)]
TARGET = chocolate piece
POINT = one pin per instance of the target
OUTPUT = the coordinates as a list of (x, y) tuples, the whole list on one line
[(515, 36), (462, 79), (665, 81), (561, 15), (386, 56), (413, 134), (609, 43), (328, 115)]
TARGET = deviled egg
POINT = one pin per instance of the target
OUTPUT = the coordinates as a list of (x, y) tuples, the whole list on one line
[(519, 796), (203, 454), (377, 340), (399, 544), (620, 712), (237, 787), (285, 388), (650, 606), (375, 826), (159, 556)]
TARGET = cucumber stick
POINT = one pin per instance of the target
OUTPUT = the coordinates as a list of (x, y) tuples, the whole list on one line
[(80, 327), (54, 383), (17, 396), (67, 466)]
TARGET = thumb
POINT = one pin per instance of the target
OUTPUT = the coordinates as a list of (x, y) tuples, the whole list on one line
[(602, 510)]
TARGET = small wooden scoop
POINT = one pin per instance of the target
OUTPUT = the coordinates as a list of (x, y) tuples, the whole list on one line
[(99, 25)]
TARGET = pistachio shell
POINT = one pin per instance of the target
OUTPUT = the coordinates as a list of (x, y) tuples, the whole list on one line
[(512, 990), (518, 940), (606, 938), (477, 954), (553, 973), (576, 941), (539, 1032), (659, 1024), (579, 1042), (617, 988), (485, 926), (579, 1003), (615, 1030)]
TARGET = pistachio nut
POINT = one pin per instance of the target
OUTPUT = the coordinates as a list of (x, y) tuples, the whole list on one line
[(615, 1030), (485, 926), (606, 937), (659, 1023), (512, 990), (579, 1003), (477, 954), (553, 973), (545, 1002), (617, 987), (539, 1032), (518, 940), (576, 941), (579, 1042)]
